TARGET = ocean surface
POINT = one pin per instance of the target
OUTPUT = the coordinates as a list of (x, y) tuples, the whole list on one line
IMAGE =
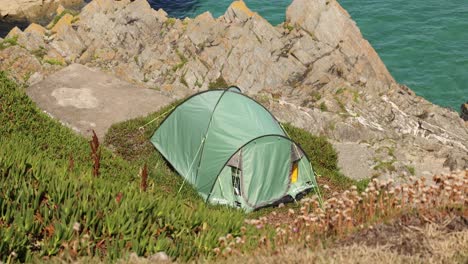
[(424, 43)]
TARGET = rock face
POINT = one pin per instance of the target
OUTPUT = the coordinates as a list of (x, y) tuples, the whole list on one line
[(32, 10), (315, 71), (464, 111), (86, 99)]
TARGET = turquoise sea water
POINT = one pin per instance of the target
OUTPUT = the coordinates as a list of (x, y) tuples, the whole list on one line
[(424, 43)]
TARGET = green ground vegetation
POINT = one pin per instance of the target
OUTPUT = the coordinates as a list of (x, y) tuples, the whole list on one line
[(59, 16), (218, 84), (8, 42), (52, 201)]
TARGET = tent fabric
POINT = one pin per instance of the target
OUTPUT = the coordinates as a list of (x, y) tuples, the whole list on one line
[(232, 150)]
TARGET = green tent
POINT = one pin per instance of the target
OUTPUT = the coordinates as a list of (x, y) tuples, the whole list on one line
[(233, 150)]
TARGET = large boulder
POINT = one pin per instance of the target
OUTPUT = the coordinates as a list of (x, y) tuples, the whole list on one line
[(330, 24)]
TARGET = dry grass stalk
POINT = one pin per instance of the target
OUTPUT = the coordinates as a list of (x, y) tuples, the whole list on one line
[(95, 154), (144, 178)]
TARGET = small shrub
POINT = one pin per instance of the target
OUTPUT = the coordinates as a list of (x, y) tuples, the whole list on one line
[(9, 42), (411, 170), (220, 83), (75, 19), (170, 21), (183, 61), (183, 81), (39, 53), (315, 96), (323, 107), (355, 96), (341, 105), (59, 16), (340, 91), (288, 26), (53, 61), (385, 165)]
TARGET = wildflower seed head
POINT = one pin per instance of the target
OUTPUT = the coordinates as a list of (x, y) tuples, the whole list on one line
[(76, 226)]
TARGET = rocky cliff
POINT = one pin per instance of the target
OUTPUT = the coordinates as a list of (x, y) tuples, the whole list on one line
[(315, 70), (33, 10)]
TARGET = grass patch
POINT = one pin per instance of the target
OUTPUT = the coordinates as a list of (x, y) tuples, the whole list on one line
[(39, 53), (288, 26), (385, 165), (340, 91), (323, 107), (355, 96), (170, 22), (341, 104), (315, 96), (53, 61), (9, 42), (220, 83), (411, 170), (183, 61), (75, 19), (59, 16), (184, 81)]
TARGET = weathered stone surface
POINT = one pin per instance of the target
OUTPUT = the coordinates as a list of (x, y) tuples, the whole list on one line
[(33, 10), (355, 160), (464, 111), (86, 99), (315, 71), (36, 29), (238, 12), (329, 23), (19, 63), (67, 42), (33, 38), (62, 24)]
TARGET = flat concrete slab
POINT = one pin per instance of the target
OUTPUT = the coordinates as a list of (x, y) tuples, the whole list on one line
[(86, 99)]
